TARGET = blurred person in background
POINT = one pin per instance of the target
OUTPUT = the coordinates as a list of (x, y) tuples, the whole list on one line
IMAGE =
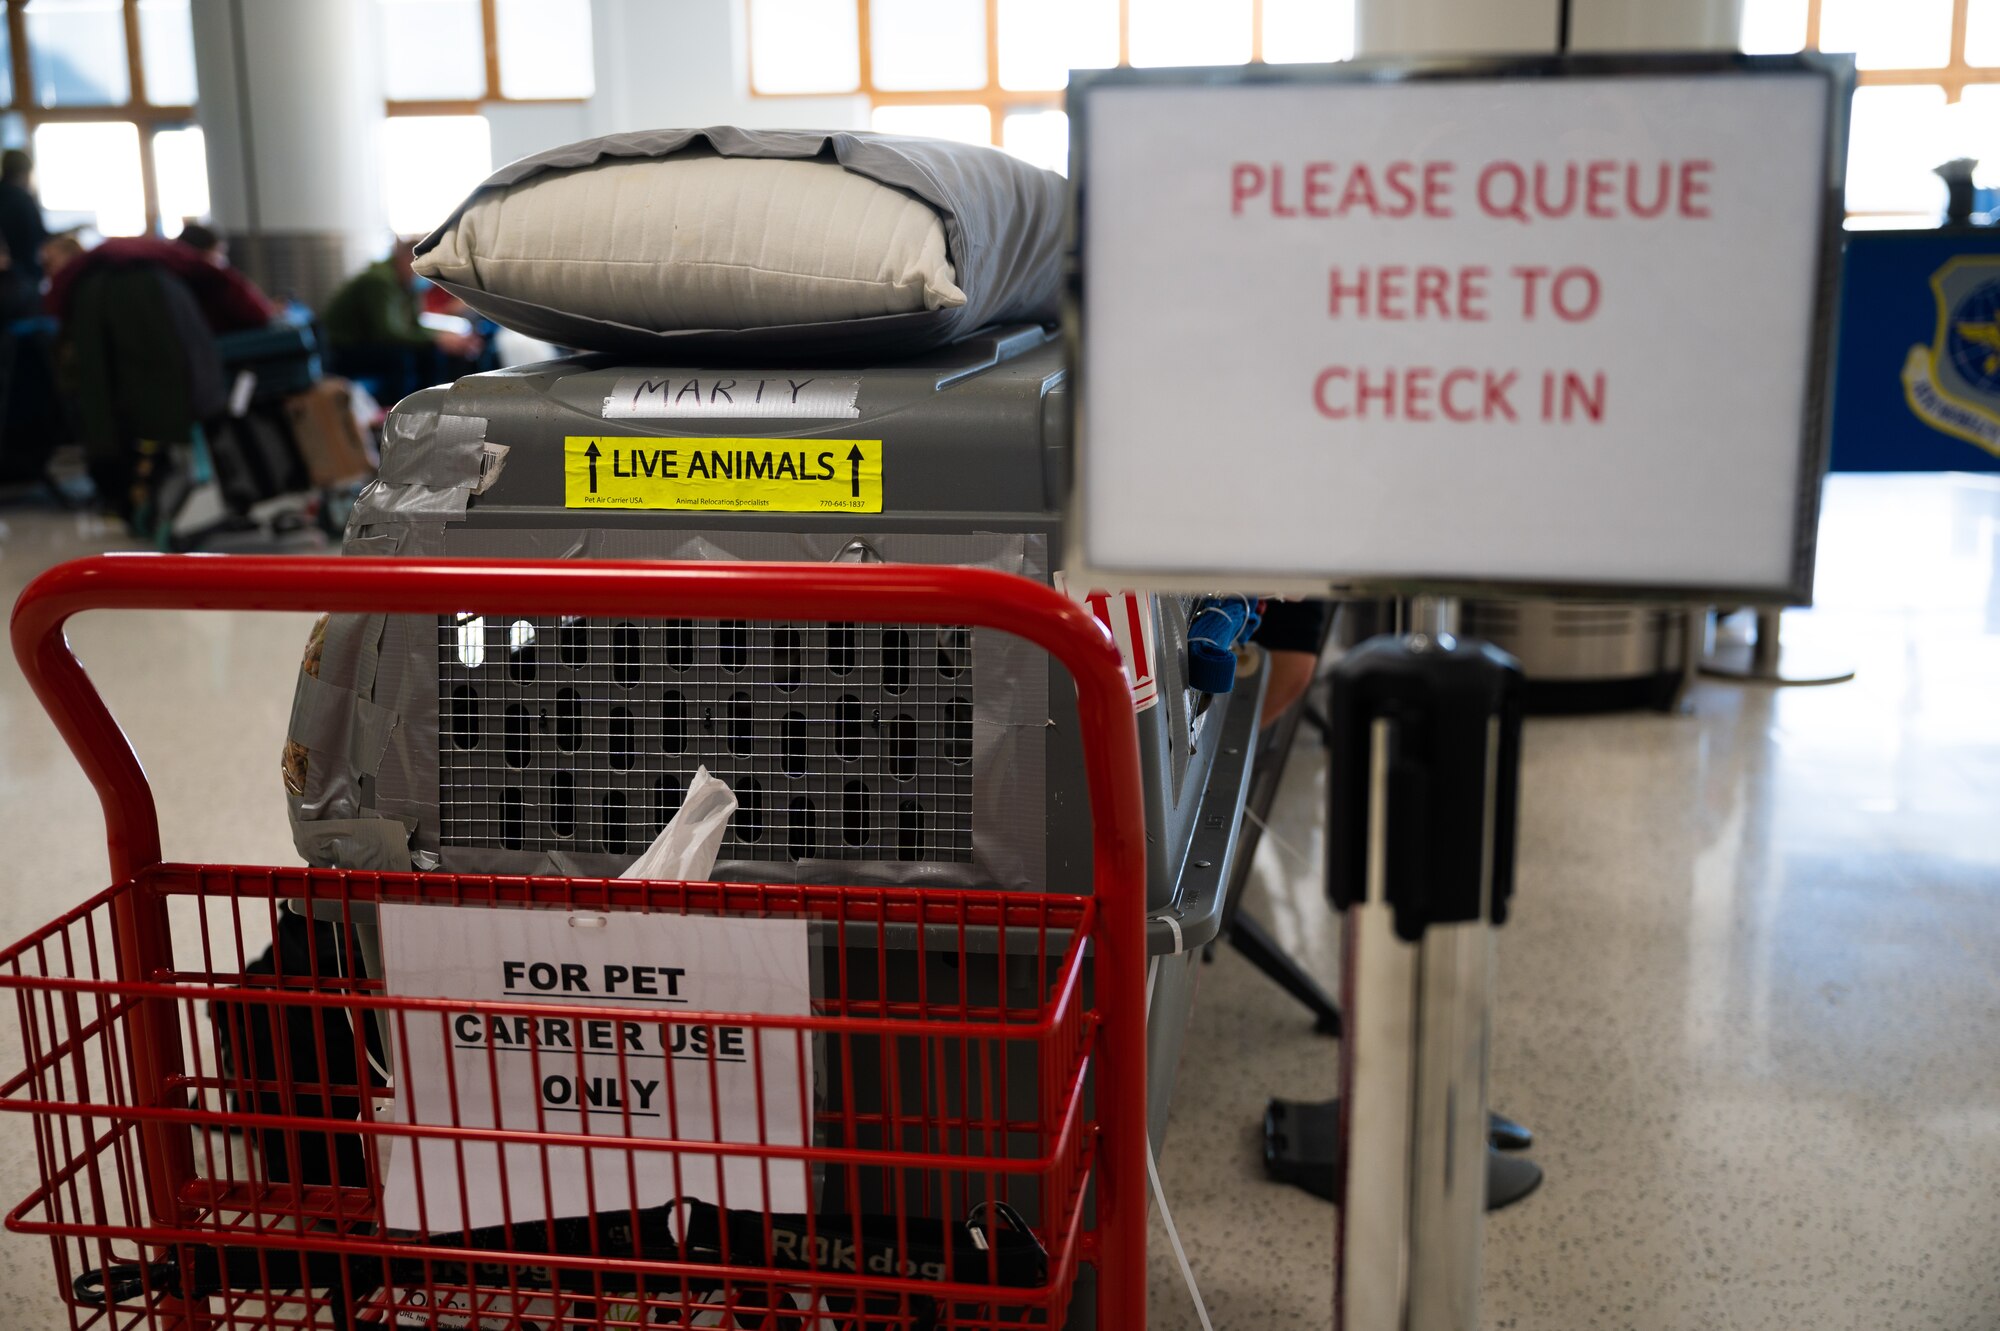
[(139, 363), (229, 301), (205, 241), (18, 300), (21, 217), (59, 251), (376, 334), (32, 425)]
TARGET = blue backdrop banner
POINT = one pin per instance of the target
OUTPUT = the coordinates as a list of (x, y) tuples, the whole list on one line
[(1917, 374)]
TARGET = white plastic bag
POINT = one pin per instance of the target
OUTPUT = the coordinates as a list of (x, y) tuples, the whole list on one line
[(687, 847)]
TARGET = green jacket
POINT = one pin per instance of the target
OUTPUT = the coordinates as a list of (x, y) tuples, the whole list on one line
[(374, 309)]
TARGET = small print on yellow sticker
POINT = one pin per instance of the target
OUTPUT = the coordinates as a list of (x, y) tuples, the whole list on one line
[(723, 475)]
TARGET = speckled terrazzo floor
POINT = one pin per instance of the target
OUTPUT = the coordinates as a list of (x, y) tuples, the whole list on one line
[(1750, 1000)]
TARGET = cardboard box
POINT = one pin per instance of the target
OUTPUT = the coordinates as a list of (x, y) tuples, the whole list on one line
[(330, 439)]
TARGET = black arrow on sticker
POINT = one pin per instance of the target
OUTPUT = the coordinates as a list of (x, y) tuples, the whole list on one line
[(854, 457), (593, 455)]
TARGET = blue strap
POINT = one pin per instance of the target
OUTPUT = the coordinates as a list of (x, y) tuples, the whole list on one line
[(1217, 625)]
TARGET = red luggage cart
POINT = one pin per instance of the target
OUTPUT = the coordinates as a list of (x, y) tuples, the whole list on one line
[(159, 1218)]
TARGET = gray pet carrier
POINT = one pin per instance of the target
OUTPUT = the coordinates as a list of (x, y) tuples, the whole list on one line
[(915, 755)]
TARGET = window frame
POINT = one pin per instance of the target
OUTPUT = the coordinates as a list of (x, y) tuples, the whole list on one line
[(489, 30), (997, 100), (151, 118), (1954, 76)]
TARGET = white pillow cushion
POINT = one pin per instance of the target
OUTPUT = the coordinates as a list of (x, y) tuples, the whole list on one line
[(700, 241)]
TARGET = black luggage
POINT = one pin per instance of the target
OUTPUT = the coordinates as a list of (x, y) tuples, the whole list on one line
[(282, 358), (255, 458), (291, 1079)]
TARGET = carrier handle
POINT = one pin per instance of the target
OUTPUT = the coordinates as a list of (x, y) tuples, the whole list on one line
[(863, 593)]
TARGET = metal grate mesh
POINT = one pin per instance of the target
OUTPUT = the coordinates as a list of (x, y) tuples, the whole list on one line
[(841, 741)]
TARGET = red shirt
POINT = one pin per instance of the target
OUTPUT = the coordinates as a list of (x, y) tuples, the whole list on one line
[(229, 301)]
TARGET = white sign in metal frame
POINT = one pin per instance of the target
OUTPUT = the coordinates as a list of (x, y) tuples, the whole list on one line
[(1553, 325)]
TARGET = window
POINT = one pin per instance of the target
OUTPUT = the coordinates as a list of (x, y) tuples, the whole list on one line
[(166, 51), (1982, 33), (103, 92), (429, 164), (92, 169), (1930, 91), (442, 60), (76, 52), (544, 49), (180, 168), (993, 71), (445, 57)]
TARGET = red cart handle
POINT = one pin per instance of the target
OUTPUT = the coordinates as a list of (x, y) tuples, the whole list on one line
[(864, 593)]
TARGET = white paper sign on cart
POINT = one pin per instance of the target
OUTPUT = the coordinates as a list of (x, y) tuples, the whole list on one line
[(659, 1077)]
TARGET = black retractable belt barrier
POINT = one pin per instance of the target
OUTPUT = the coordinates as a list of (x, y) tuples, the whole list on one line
[(1425, 740)]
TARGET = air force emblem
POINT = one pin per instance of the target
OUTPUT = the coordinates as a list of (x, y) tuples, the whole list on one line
[(1953, 384)]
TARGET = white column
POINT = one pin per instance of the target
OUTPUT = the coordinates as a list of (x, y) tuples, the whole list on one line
[(1655, 25), (1456, 27), (291, 110), (1496, 27)]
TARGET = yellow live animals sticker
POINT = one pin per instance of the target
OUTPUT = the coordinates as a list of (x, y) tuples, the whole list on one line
[(723, 475)]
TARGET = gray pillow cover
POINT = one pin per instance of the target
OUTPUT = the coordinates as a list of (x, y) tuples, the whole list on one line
[(1003, 222)]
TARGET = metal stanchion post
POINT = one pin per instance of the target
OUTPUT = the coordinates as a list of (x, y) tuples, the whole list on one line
[(1425, 751), (1767, 660)]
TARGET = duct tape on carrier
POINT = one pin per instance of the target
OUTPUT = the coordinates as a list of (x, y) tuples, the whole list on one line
[(651, 1070), (723, 475)]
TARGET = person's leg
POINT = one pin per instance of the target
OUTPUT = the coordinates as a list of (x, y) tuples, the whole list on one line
[(1291, 634), (1291, 676)]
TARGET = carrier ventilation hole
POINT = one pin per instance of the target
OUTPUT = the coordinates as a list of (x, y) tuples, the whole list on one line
[(562, 804), (673, 722), (512, 824), (464, 717), (742, 724), (954, 651), (623, 752), (841, 648), (895, 661), (514, 740), (910, 830), (847, 728), (958, 731), (521, 652), (854, 827), (667, 796), (805, 829), (471, 640), (903, 748), (795, 744), (612, 811), (750, 810), (569, 720), (680, 644), (735, 641), (573, 641), (625, 655), (791, 654)]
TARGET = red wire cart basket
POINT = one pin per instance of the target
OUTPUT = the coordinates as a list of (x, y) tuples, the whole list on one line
[(212, 1134)]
